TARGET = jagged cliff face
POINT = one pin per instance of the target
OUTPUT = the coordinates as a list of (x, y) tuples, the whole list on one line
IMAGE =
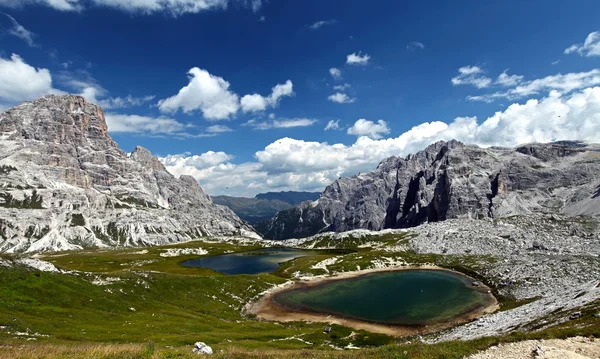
[(452, 180), (65, 184)]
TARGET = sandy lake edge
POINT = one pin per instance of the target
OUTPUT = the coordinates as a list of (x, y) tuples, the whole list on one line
[(264, 308)]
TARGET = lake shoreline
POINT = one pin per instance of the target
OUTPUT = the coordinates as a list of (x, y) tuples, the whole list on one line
[(262, 260), (266, 308)]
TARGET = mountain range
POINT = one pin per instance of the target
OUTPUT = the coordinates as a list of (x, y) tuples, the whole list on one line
[(452, 180)]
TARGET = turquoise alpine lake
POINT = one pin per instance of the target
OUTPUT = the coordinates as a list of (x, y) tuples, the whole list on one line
[(251, 262), (406, 297)]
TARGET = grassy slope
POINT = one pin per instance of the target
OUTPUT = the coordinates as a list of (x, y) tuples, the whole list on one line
[(179, 306)]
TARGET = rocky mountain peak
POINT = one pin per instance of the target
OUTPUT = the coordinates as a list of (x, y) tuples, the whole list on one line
[(435, 151), (65, 184), (58, 119), (145, 158)]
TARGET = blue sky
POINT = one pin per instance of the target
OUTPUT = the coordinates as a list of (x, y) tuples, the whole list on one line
[(174, 75)]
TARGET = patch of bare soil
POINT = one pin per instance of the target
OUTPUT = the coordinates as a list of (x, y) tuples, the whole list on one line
[(571, 348)]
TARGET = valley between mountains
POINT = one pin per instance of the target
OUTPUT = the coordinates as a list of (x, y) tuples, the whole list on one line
[(94, 243)]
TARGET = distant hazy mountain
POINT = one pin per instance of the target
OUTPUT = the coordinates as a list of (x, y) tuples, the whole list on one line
[(264, 205), (291, 197)]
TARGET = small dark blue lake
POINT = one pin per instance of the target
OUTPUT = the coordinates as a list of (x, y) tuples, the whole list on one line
[(251, 262)]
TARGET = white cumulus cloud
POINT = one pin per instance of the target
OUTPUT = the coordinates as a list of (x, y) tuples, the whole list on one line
[(357, 59), (20, 81), (335, 73), (590, 47), (256, 102), (505, 79), (211, 95), (340, 98), (205, 92), (368, 128), (199, 162), (471, 75)]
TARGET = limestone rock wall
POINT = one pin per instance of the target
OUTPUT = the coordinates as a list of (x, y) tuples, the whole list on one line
[(452, 180), (65, 184)]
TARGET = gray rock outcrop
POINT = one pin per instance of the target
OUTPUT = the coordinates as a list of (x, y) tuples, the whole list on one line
[(65, 184), (452, 180)]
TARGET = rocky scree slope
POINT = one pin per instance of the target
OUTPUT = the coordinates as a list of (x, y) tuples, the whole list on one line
[(65, 184), (452, 180)]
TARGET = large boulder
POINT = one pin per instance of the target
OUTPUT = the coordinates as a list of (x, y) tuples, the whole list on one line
[(202, 348)]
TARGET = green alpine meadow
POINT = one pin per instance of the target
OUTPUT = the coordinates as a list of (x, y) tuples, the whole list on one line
[(299, 179)]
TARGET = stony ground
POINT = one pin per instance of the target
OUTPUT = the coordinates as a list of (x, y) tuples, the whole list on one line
[(572, 348), (536, 255)]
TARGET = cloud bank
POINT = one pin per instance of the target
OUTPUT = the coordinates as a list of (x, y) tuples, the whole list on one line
[(292, 164), (143, 7)]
